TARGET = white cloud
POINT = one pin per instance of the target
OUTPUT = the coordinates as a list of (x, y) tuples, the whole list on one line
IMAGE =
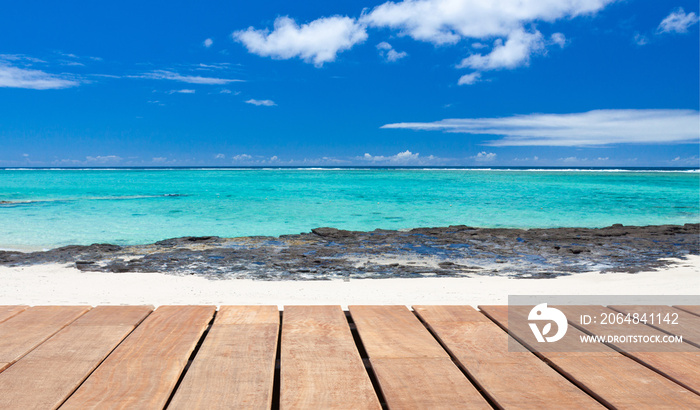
[(509, 24), (394, 55), (526, 159), (402, 158), (318, 42), (184, 91), (225, 91), (484, 156), (208, 42), (241, 158), (677, 22), (515, 52), (212, 66), (388, 52), (219, 156), (469, 79), (558, 39), (266, 103), (688, 161), (593, 128), (640, 39), (103, 159), (449, 21), (15, 77), (191, 79), (572, 160), (20, 58)]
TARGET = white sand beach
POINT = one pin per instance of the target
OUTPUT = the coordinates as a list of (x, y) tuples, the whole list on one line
[(61, 285)]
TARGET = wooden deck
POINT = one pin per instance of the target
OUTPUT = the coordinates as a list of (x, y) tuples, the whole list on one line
[(320, 357)]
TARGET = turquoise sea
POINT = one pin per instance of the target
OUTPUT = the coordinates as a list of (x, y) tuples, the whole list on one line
[(45, 208)]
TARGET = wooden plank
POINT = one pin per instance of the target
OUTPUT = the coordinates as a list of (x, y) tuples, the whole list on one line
[(235, 366), (46, 376), (425, 383), (413, 370), (612, 378), (694, 309), (393, 331), (321, 367), (512, 379), (143, 370), (247, 315), (679, 362), (7, 312), (25, 331), (686, 324)]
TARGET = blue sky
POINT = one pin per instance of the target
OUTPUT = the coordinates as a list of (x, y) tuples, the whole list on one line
[(425, 82)]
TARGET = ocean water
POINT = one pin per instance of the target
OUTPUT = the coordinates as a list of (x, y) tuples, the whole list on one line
[(42, 209)]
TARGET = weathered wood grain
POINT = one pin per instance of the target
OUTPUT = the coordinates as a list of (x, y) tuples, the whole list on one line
[(413, 370), (321, 367), (425, 383), (142, 371), (694, 309), (235, 366), (512, 379), (7, 312), (612, 378), (393, 331), (680, 362), (686, 324), (47, 375), (25, 331)]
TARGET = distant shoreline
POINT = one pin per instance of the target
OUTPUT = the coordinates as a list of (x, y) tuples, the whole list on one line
[(329, 253)]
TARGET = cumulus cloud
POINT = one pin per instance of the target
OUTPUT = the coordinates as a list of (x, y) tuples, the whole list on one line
[(317, 42), (593, 128), (558, 39), (469, 79), (508, 24), (15, 77), (449, 21), (402, 158), (484, 156), (219, 156), (389, 53), (241, 157), (191, 79), (514, 52), (677, 22), (265, 103), (208, 42)]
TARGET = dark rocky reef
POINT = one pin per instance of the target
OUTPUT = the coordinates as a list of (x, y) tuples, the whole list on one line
[(328, 253)]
